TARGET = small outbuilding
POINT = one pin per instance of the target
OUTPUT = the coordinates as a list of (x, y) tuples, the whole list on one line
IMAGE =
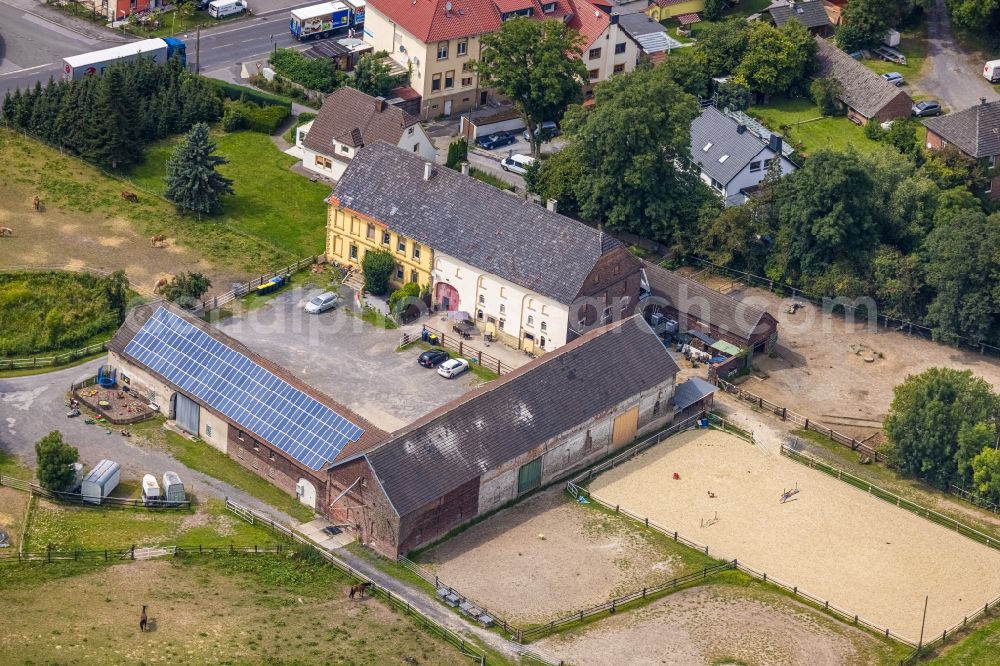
[(150, 489), (865, 94), (100, 481), (173, 489)]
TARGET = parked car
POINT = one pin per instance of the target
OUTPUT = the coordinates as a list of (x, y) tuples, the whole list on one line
[(432, 358), (496, 140), (517, 163), (325, 301), (895, 78), (926, 108), (453, 367), (547, 130)]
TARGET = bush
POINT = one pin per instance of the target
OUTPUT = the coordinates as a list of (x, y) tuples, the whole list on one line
[(319, 74), (406, 295), (256, 118), (377, 266), (281, 86), (458, 152), (240, 93), (55, 458), (186, 288), (825, 92), (873, 130)]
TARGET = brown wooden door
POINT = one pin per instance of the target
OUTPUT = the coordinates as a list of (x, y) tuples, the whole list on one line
[(625, 427)]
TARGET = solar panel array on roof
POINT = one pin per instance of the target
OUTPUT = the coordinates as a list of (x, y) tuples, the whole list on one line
[(258, 400)]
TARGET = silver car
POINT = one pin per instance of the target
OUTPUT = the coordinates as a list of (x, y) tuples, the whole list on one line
[(325, 301)]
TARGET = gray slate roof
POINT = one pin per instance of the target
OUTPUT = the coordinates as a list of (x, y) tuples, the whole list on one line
[(706, 304), (474, 222), (716, 128), (975, 131), (512, 415), (689, 392), (650, 35), (864, 90), (810, 14)]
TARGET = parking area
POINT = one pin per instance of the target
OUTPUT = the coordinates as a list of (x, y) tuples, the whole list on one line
[(347, 358)]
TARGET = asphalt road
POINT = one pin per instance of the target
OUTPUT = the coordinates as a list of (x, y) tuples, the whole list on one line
[(954, 76)]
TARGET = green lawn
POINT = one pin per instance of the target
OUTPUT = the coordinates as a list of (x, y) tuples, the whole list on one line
[(10, 466), (914, 47), (271, 202), (746, 8), (979, 648), (787, 116), (173, 23)]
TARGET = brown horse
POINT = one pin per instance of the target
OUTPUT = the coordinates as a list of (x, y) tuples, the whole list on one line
[(131, 197), (6, 231), (157, 240), (142, 620), (360, 589), (160, 284), (37, 203)]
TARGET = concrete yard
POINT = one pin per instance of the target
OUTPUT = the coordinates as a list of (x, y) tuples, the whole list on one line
[(832, 540)]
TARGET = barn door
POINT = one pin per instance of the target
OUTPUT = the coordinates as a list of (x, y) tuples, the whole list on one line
[(529, 476), (625, 427), (187, 413)]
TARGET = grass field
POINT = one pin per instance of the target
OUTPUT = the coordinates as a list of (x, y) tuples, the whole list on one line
[(229, 609), (271, 202), (788, 116)]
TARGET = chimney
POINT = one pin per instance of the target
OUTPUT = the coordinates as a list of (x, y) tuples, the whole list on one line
[(982, 100), (775, 144), (380, 104), (465, 168), (740, 128), (552, 205), (428, 170)]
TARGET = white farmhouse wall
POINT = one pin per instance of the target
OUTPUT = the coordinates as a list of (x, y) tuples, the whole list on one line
[(335, 170), (415, 140), (747, 178), (142, 382), (213, 429)]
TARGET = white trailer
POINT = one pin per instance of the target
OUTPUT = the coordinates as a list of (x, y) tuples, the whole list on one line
[(100, 481), (94, 63), (150, 490), (173, 489)]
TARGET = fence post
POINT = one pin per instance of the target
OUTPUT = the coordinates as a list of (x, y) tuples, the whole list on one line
[(132, 552), (807, 424)]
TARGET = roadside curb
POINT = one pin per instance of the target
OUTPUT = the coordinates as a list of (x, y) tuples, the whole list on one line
[(72, 28)]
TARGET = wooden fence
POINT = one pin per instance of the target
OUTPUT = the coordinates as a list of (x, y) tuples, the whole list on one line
[(807, 424), (132, 553), (75, 498), (50, 361), (457, 343), (243, 289), (399, 602)]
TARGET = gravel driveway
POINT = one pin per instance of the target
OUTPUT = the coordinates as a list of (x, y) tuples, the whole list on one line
[(953, 76)]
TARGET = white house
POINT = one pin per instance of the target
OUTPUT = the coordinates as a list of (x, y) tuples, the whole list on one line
[(349, 120), (730, 157)]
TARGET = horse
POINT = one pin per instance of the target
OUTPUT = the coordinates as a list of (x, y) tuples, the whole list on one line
[(160, 284), (143, 620), (131, 197), (156, 240), (360, 589), (37, 203), (6, 231)]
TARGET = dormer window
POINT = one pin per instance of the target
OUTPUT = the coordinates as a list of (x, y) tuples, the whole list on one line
[(549, 7)]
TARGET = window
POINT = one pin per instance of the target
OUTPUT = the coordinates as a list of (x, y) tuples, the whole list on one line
[(345, 148), (708, 146), (401, 244), (767, 163), (594, 53), (410, 131), (256, 445), (416, 147), (479, 315), (371, 232), (594, 74), (755, 166), (503, 292), (482, 299), (618, 69), (458, 272), (208, 430), (416, 251), (993, 161), (716, 184), (723, 159), (545, 327), (466, 81), (442, 50), (270, 455), (531, 321), (449, 79), (462, 47), (531, 304), (549, 7), (354, 252), (503, 309), (618, 269), (323, 162), (989, 186), (240, 435), (625, 300), (436, 83), (620, 47), (501, 323), (414, 276), (545, 309), (399, 271), (541, 341), (386, 238), (606, 315)]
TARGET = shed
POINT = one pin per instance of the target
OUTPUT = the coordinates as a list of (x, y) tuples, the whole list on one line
[(726, 347), (173, 489), (691, 392), (100, 481)]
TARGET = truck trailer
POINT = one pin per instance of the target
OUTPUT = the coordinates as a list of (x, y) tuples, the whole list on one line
[(320, 20), (94, 63)]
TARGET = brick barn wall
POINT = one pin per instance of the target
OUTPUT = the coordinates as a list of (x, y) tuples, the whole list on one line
[(900, 107), (617, 274), (435, 519), (270, 463), (365, 507)]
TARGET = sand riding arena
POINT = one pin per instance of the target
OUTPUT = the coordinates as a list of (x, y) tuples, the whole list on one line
[(829, 539)]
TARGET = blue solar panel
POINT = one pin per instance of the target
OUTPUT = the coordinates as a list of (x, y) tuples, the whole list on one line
[(229, 382)]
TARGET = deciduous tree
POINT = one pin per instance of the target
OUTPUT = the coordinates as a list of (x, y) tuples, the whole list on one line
[(377, 266), (371, 75), (186, 288), (776, 60), (55, 458)]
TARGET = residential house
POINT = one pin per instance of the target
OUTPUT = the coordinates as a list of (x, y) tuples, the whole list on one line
[(116, 10), (651, 36), (550, 417), (437, 39), (810, 13), (865, 94), (661, 10), (976, 133), (730, 158), (533, 278), (349, 120)]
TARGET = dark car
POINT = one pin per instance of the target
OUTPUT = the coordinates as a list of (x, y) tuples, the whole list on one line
[(432, 358), (496, 140), (926, 108)]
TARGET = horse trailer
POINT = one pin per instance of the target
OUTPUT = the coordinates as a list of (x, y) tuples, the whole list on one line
[(150, 490), (100, 481), (173, 489)]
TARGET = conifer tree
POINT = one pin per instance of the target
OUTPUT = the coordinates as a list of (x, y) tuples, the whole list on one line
[(192, 181)]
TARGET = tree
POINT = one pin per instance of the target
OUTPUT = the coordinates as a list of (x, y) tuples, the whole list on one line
[(732, 95), (404, 297), (187, 288), (928, 413), (982, 16), (110, 137), (826, 93), (192, 181), (902, 135), (899, 284), (372, 75), (458, 152), (537, 65), (116, 291), (973, 438), (866, 22), (714, 9), (378, 266), (628, 149), (723, 44), (690, 72), (55, 460), (558, 177), (776, 60), (986, 474)]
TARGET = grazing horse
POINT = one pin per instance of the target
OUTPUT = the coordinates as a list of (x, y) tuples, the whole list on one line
[(142, 620), (6, 231), (360, 589), (131, 197), (157, 240), (37, 203), (160, 284)]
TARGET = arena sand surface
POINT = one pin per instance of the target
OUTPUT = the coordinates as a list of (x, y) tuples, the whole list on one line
[(831, 540)]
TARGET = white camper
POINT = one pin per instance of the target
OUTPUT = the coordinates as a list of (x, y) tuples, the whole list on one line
[(992, 71), (100, 481), (150, 489)]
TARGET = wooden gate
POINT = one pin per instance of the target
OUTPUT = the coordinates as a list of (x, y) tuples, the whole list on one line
[(625, 427)]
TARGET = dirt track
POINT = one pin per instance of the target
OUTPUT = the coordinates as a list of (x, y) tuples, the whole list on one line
[(832, 540)]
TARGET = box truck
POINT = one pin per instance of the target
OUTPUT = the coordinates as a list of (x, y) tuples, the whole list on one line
[(94, 63), (222, 8), (319, 20), (992, 71), (357, 8)]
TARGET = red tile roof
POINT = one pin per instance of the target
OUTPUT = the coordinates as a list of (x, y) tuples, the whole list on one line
[(589, 21), (429, 20), (515, 5)]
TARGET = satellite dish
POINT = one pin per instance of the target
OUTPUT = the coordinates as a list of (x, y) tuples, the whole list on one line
[(447, 6)]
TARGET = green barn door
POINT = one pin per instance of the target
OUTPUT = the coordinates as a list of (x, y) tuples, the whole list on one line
[(529, 476)]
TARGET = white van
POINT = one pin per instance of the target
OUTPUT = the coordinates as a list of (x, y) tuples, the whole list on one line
[(992, 71), (517, 163), (222, 8)]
